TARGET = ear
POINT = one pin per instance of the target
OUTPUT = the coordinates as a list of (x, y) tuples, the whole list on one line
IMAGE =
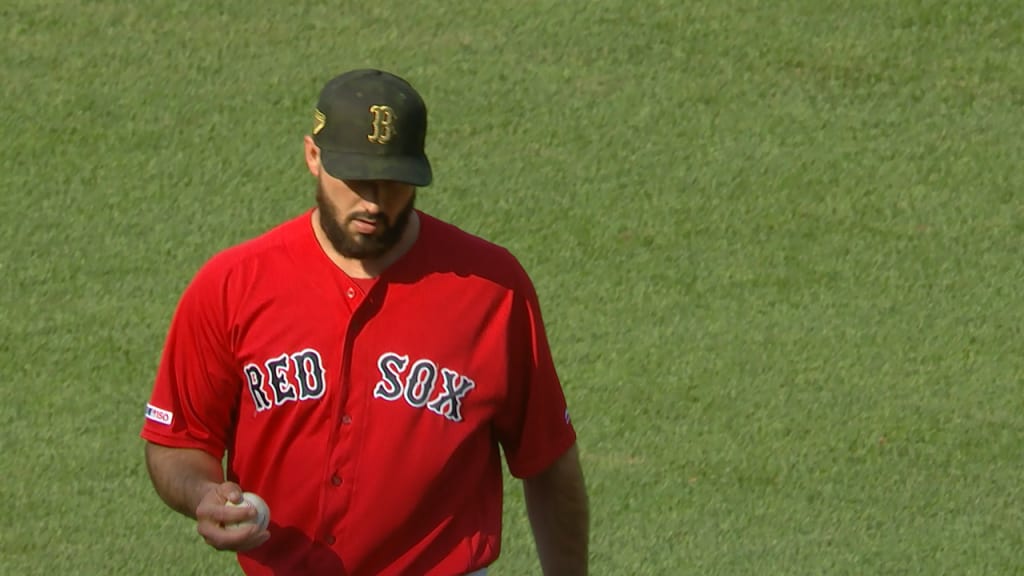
[(312, 156)]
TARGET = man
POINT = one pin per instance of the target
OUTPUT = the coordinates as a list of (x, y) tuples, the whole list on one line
[(362, 367)]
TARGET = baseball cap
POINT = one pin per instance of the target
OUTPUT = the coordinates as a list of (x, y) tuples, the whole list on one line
[(372, 125)]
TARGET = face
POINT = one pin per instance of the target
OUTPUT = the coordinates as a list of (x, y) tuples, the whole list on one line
[(363, 219)]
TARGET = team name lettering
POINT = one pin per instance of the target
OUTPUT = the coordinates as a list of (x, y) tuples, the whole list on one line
[(417, 382), (286, 378)]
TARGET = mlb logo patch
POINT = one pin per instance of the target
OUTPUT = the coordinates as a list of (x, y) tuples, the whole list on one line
[(159, 416)]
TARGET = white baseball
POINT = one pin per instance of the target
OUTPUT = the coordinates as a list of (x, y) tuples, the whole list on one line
[(262, 511)]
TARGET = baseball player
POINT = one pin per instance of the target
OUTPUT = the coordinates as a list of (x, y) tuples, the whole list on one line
[(362, 367)]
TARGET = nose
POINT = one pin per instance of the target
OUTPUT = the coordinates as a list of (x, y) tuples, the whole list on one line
[(370, 191), (375, 193)]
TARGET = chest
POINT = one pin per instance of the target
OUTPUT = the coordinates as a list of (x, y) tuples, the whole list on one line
[(432, 353)]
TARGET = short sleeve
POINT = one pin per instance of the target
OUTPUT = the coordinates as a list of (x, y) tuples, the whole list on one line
[(197, 385), (533, 426)]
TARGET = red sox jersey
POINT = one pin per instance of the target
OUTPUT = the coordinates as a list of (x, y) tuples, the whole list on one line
[(367, 413)]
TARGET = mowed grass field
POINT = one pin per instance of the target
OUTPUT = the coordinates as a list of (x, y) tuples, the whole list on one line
[(778, 246)]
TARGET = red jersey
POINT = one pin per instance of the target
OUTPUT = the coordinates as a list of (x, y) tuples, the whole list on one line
[(368, 414)]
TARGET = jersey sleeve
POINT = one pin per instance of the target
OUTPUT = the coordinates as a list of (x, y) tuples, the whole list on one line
[(533, 427), (197, 385)]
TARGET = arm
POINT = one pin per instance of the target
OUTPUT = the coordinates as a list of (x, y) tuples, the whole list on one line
[(192, 483), (182, 477), (556, 502)]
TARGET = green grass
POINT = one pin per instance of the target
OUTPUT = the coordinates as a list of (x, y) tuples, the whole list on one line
[(777, 246)]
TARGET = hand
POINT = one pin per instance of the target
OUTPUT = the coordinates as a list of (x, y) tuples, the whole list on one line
[(213, 515)]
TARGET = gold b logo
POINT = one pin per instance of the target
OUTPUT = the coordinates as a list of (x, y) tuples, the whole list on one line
[(383, 124)]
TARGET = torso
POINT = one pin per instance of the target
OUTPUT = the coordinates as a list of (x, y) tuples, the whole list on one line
[(366, 409)]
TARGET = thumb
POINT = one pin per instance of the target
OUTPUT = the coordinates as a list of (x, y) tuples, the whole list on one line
[(230, 492)]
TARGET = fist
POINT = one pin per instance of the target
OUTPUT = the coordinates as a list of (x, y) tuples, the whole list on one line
[(227, 522)]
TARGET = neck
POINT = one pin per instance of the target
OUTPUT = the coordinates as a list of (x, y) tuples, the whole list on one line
[(368, 267)]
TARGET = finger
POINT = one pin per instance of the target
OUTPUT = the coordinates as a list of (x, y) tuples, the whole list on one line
[(240, 538), (229, 515), (223, 505), (256, 540), (224, 514)]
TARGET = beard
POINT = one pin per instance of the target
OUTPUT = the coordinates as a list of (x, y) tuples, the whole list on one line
[(361, 246)]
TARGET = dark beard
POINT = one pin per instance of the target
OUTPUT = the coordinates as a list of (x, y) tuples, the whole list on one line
[(361, 246)]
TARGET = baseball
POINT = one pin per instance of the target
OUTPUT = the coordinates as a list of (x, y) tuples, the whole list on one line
[(262, 511)]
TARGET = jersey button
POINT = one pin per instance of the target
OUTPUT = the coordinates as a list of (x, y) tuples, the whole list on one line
[(346, 419), (351, 293), (336, 480)]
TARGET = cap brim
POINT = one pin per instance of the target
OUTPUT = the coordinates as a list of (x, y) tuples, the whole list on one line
[(413, 170)]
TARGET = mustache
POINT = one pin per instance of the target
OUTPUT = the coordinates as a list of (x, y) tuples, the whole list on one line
[(378, 218)]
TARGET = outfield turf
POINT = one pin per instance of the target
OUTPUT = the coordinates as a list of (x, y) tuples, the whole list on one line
[(777, 244)]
